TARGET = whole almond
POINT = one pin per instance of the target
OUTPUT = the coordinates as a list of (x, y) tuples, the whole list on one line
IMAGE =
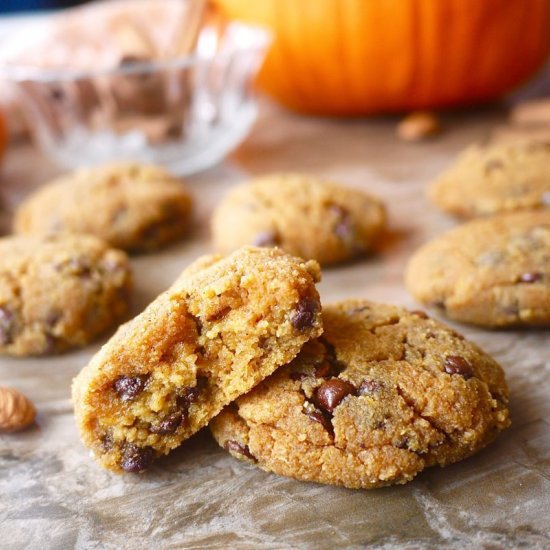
[(418, 125), (16, 411)]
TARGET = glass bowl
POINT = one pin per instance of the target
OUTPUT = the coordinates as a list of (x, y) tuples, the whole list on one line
[(185, 113)]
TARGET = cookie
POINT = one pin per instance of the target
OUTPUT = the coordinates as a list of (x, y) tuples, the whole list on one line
[(304, 215), (58, 292), (383, 394), (493, 272), (131, 206), (223, 327), (499, 178)]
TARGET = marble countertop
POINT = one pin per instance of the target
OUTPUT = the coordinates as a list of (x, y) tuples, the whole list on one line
[(54, 496)]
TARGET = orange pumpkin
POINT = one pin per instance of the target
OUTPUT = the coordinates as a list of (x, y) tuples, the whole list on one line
[(351, 57)]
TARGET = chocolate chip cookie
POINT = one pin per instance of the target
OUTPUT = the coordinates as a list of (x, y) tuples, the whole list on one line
[(304, 215), (223, 327), (493, 272), (58, 292), (498, 178), (383, 394), (131, 206)]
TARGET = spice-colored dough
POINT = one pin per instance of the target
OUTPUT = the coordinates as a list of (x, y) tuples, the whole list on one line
[(493, 272), (58, 292), (499, 178), (383, 394), (304, 215), (221, 328), (131, 206)]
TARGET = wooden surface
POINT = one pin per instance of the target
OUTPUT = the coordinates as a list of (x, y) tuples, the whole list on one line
[(53, 495)]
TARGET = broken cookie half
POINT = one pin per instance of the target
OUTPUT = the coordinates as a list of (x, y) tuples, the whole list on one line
[(383, 394), (224, 326)]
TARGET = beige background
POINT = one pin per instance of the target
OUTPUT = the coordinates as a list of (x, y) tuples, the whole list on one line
[(52, 495)]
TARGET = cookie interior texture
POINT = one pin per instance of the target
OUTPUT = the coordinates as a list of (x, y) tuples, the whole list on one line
[(383, 394), (304, 215), (493, 272), (132, 206), (223, 327), (59, 291), (493, 179)]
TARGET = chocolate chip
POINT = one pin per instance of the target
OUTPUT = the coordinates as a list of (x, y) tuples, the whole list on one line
[(236, 447), (323, 419), (80, 267), (107, 443), (304, 316), (169, 424), (330, 394), (419, 313), (53, 318), (356, 310), (189, 395), (493, 164), (455, 364), (530, 277), (136, 459), (7, 326), (369, 386), (266, 238), (129, 387), (219, 315), (403, 443), (344, 228), (323, 370)]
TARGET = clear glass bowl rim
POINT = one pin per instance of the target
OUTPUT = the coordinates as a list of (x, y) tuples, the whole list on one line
[(259, 38)]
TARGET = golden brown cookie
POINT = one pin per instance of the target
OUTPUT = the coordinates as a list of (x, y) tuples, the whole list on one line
[(223, 327), (304, 215), (383, 394), (59, 292), (493, 272), (499, 178), (131, 206)]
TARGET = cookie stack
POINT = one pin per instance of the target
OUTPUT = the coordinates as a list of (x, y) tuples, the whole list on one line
[(493, 271), (356, 394)]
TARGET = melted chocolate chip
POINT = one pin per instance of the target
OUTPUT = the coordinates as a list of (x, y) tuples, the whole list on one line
[(136, 459), (330, 394), (369, 386), (191, 394), (129, 387), (530, 277), (7, 326), (169, 424), (323, 370), (419, 313), (304, 316), (236, 447), (323, 419), (455, 364), (266, 238)]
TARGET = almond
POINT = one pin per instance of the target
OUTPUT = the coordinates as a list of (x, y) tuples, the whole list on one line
[(418, 125), (16, 411)]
